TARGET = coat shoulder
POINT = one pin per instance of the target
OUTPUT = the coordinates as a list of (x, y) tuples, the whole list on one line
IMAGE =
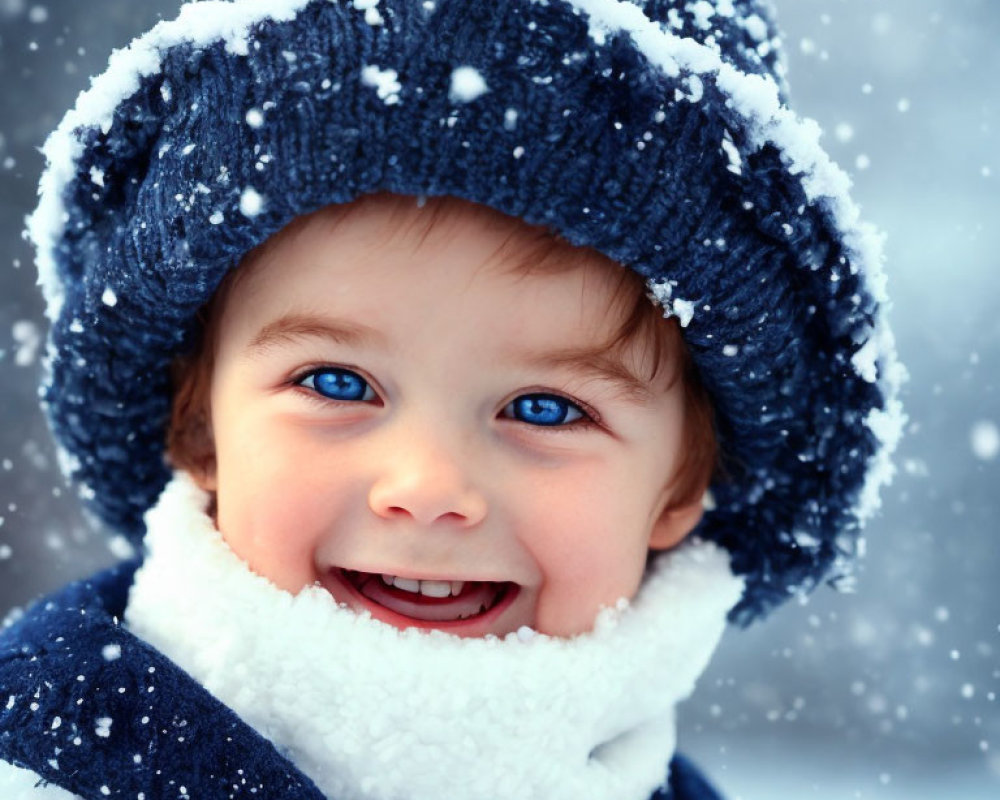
[(686, 782), (85, 700)]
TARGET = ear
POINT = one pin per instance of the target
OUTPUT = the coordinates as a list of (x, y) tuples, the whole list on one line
[(674, 524), (191, 447), (202, 461), (205, 474)]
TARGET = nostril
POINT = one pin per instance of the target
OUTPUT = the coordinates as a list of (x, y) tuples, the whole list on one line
[(426, 504), (452, 516), (448, 516)]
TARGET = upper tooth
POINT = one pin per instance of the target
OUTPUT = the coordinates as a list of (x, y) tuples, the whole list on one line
[(435, 588), (406, 584), (426, 588)]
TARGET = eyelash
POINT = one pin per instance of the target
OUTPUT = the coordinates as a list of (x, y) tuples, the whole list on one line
[(588, 416)]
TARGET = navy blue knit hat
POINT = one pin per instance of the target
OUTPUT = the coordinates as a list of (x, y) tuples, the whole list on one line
[(654, 132)]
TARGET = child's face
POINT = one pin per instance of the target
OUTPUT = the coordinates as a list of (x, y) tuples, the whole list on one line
[(379, 405)]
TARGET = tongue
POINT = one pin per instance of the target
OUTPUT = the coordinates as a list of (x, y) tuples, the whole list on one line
[(475, 596)]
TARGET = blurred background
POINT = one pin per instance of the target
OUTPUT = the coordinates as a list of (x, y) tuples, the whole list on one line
[(888, 692)]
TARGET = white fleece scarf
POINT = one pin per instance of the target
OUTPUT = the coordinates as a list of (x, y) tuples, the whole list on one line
[(368, 711)]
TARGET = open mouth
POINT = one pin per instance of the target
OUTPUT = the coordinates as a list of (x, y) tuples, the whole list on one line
[(428, 601)]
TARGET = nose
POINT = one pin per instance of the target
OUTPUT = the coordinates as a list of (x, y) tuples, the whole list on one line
[(423, 483)]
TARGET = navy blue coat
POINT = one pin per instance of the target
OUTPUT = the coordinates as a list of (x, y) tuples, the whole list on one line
[(93, 709)]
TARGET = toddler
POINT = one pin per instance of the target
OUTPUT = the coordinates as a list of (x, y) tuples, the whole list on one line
[(458, 369)]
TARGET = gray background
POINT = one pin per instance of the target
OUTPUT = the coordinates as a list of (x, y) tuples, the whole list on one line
[(890, 692)]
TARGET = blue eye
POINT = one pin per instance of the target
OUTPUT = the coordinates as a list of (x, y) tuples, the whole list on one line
[(543, 409), (338, 384)]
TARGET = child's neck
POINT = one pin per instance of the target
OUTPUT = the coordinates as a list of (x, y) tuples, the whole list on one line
[(367, 710)]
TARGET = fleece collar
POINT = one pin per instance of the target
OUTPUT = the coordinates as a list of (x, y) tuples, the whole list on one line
[(368, 711)]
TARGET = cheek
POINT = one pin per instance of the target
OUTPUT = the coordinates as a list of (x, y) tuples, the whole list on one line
[(273, 512), (270, 534), (590, 542)]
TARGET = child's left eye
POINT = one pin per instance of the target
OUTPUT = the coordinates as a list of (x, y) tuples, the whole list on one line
[(337, 383), (548, 410)]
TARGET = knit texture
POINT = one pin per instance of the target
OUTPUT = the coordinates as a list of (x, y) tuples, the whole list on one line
[(573, 127)]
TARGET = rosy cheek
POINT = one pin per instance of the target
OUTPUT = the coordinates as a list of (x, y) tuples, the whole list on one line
[(291, 556), (263, 534), (586, 563)]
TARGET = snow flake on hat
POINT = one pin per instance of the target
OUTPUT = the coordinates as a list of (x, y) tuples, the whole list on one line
[(384, 81), (696, 90), (111, 652), (103, 727), (251, 202), (661, 293), (732, 153), (370, 7), (255, 117), (467, 83)]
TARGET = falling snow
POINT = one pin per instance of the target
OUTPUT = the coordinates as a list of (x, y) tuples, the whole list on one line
[(28, 338), (985, 440), (923, 662), (844, 132)]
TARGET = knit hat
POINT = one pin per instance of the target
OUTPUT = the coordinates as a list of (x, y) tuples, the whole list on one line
[(654, 132)]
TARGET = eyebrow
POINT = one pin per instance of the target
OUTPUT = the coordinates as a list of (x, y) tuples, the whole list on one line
[(597, 364), (594, 363), (293, 327)]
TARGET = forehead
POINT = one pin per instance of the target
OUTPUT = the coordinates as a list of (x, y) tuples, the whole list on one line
[(379, 246), (387, 221)]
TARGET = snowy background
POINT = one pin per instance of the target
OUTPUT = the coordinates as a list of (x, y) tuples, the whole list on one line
[(887, 693)]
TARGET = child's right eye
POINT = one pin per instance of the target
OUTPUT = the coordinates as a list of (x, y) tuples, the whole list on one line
[(337, 383)]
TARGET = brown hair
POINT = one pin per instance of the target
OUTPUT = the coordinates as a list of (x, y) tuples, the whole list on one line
[(189, 444)]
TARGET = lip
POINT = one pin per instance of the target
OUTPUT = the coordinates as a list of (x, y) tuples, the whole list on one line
[(479, 625)]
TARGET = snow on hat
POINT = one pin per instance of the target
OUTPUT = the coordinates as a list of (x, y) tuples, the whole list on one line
[(653, 132)]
